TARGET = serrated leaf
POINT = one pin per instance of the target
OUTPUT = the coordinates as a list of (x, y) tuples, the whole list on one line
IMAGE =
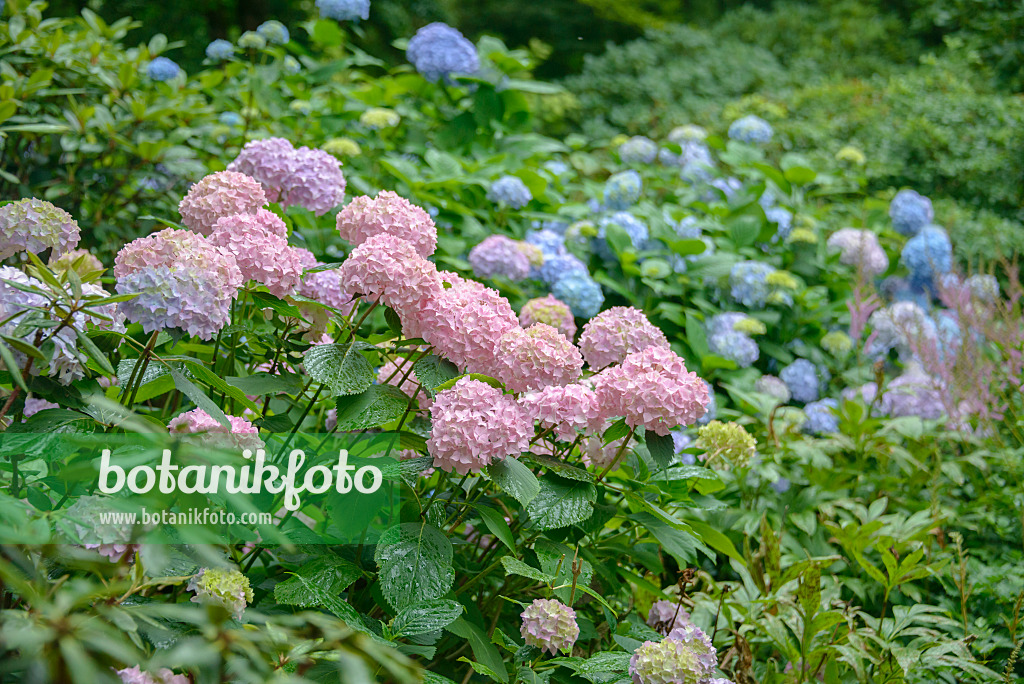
[(662, 449), (562, 469), (265, 300), (261, 384), (378, 405), (433, 371), (515, 479), (561, 503), (426, 616), (415, 564), (339, 366), (331, 573)]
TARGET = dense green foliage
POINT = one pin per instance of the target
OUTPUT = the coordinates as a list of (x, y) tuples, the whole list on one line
[(888, 550)]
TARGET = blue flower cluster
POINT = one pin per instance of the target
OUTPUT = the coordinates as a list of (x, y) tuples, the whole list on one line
[(783, 220), (821, 417), (162, 69), (725, 341), (928, 255), (274, 31), (511, 190), (344, 10), (910, 211), (638, 149), (747, 283), (439, 51), (622, 190), (710, 408), (558, 266), (579, 292), (804, 380), (219, 50), (751, 129)]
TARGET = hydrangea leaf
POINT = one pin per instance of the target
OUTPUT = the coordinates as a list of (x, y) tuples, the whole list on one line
[(378, 405), (415, 563), (661, 448), (329, 572), (516, 479), (339, 366), (433, 371), (426, 616), (561, 503)]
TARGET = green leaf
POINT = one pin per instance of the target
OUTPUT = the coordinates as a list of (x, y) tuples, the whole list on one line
[(716, 540), (12, 366), (324, 599), (561, 503), (200, 372), (515, 479), (497, 526), (265, 300), (330, 573), (24, 347), (681, 544), (433, 371), (615, 431), (393, 321), (378, 405), (198, 397), (261, 384), (426, 616), (415, 563), (662, 448), (483, 650), (561, 468), (514, 566), (339, 366)]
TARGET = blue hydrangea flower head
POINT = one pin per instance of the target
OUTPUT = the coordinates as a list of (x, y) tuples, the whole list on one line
[(440, 51), (622, 190), (559, 266), (230, 118), (511, 190), (344, 10), (751, 129), (783, 219), (557, 168), (639, 148), (680, 442), (735, 346), (220, 49), (729, 187), (692, 152), (710, 408), (747, 283), (291, 65), (579, 292), (983, 287), (928, 255), (162, 69), (821, 417), (274, 31), (549, 242), (634, 227), (910, 211), (804, 380), (781, 486)]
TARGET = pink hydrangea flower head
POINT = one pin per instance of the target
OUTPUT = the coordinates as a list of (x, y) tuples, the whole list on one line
[(366, 216), (667, 662), (860, 249), (315, 181), (464, 323), (242, 433), (475, 425), (34, 225), (535, 358), (615, 333), (269, 161), (550, 311), (390, 268), (261, 220), (220, 194), (261, 255), (666, 615), (498, 255), (181, 280), (550, 625), (652, 388), (34, 406), (228, 588), (402, 376), (567, 409), (133, 675), (323, 286), (699, 643)]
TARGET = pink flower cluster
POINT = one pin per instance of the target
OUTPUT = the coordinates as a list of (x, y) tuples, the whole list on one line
[(33, 225), (652, 388), (389, 268), (133, 675), (180, 279), (551, 311), (475, 425), (664, 616), (218, 195), (566, 409), (612, 335), (549, 625), (365, 217), (259, 244), (535, 358), (498, 255), (303, 176), (860, 249), (243, 434)]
